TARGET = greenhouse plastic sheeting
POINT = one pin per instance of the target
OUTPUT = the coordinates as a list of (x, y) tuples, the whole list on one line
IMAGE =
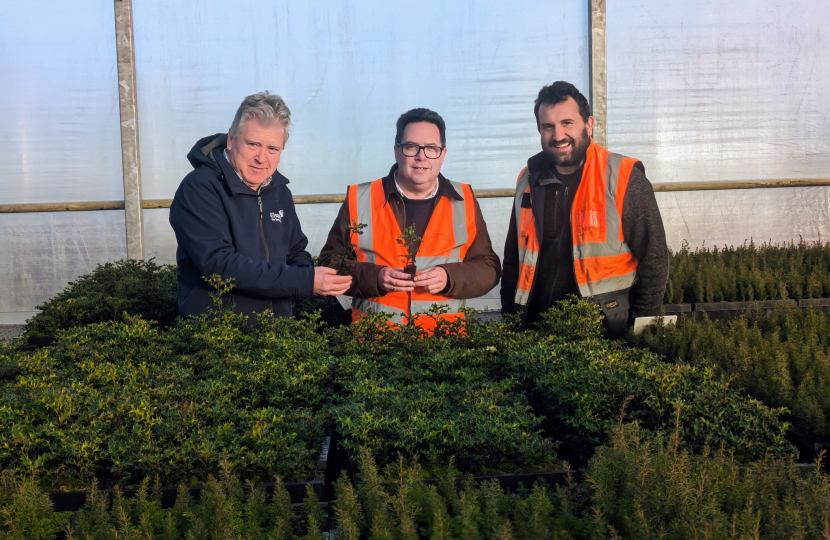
[(720, 91), (50, 249), (347, 70), (59, 118)]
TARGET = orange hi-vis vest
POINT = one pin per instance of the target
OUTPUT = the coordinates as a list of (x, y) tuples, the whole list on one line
[(450, 232), (603, 262)]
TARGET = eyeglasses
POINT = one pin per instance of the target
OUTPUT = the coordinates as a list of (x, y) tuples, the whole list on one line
[(411, 150)]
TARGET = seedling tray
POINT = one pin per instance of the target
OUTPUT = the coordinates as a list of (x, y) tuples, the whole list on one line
[(70, 501)]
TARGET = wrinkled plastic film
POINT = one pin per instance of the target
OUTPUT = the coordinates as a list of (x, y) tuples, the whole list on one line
[(720, 91), (59, 118), (347, 71)]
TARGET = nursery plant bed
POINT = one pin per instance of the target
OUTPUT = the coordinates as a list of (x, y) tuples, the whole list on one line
[(324, 473), (507, 481)]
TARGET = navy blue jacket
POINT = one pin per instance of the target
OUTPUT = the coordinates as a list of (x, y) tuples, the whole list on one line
[(224, 227)]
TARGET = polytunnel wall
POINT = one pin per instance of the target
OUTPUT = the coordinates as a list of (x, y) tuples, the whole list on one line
[(709, 92)]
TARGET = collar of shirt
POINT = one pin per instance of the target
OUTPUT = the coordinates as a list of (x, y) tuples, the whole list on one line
[(262, 185), (402, 194)]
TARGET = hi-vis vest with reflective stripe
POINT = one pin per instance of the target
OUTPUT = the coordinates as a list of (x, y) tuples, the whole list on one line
[(450, 232), (603, 262)]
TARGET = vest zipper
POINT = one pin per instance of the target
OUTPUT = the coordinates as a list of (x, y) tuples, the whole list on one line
[(573, 266), (409, 294)]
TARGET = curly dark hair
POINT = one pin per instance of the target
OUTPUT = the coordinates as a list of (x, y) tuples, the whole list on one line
[(420, 115), (557, 93)]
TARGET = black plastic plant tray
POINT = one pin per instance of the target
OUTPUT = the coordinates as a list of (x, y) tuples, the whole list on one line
[(70, 501), (507, 481)]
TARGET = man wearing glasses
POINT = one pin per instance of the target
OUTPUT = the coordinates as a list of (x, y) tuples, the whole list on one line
[(455, 259)]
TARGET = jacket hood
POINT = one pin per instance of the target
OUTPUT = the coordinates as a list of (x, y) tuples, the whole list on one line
[(204, 153)]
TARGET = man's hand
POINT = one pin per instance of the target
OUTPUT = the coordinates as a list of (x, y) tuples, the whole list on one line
[(394, 279), (328, 283), (432, 279)]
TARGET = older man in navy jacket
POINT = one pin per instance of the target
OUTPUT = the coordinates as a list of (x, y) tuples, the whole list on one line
[(234, 216)]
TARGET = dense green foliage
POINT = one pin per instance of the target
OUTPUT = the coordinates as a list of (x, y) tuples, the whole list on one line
[(111, 290), (130, 288), (583, 382), (635, 487), (749, 272), (781, 357), (438, 396), (224, 510), (641, 487), (125, 400), (479, 394)]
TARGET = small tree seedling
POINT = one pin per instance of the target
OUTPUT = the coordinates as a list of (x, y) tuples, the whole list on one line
[(344, 263), (411, 242)]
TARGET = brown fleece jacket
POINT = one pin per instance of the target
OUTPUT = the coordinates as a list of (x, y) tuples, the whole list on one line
[(476, 275)]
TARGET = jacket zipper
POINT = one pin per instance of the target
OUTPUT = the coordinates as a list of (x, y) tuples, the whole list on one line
[(573, 266), (264, 240)]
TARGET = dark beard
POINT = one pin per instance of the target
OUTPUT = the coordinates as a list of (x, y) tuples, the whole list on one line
[(577, 155)]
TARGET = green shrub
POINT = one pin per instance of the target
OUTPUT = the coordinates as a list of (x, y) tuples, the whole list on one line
[(781, 357), (480, 394), (224, 510), (437, 396), (644, 487), (137, 288), (584, 383), (636, 486), (749, 272), (25, 512), (396, 503), (125, 400)]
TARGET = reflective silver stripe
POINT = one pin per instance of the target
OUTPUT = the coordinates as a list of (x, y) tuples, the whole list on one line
[(612, 245), (428, 262), (528, 257), (459, 223), (607, 285), (424, 306), (599, 249), (521, 186), (367, 306), (364, 215)]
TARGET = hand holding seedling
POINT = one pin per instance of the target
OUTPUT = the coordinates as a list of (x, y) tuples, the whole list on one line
[(394, 279), (432, 279), (328, 283)]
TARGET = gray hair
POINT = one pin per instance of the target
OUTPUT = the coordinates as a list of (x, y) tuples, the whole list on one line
[(265, 108)]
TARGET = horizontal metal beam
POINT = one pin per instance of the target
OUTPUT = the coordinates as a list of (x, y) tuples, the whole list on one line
[(480, 194)]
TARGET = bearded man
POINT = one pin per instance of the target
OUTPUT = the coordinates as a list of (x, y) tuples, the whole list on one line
[(585, 222)]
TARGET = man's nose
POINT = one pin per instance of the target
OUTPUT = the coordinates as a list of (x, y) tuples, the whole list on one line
[(421, 155), (260, 156)]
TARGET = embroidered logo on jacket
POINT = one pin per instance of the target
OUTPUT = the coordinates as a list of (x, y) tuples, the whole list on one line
[(277, 216)]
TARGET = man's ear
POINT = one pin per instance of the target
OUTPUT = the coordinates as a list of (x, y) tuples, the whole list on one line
[(590, 126), (230, 140)]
